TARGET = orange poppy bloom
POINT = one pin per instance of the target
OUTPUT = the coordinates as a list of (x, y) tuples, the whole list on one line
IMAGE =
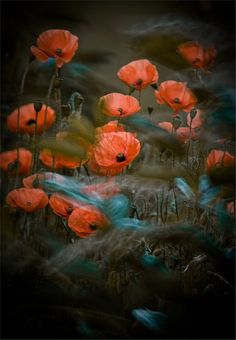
[(184, 134), (196, 55), (119, 105), (58, 44), (112, 126), (139, 74), (27, 119), (103, 190), (176, 95), (219, 159), (59, 161), (8, 161), (196, 121), (34, 181), (62, 205), (86, 219), (166, 126), (114, 152), (27, 199)]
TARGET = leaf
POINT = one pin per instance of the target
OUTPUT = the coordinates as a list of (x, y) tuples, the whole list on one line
[(184, 187), (204, 183), (118, 207), (153, 320), (209, 195)]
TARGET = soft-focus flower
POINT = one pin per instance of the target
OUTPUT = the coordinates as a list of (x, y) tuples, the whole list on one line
[(27, 199), (59, 161), (62, 205), (35, 181), (166, 126), (184, 134), (27, 119), (139, 74), (196, 55), (113, 152), (119, 105), (55, 43), (86, 219), (112, 126), (218, 159), (231, 208), (8, 161), (102, 190), (176, 95), (195, 122)]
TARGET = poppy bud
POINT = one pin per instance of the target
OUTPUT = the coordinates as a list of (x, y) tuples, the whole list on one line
[(38, 105), (193, 113), (177, 122), (150, 109)]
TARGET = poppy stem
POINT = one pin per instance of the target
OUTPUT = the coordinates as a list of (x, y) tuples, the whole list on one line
[(58, 98), (48, 100), (139, 97), (87, 173)]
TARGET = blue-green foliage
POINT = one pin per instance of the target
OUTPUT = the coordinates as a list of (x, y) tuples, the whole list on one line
[(153, 320), (184, 187), (152, 262)]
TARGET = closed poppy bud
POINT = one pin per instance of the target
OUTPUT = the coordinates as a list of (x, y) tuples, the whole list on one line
[(86, 219), (196, 55), (58, 44), (139, 74), (62, 205), (150, 109), (27, 199), (219, 159), (8, 161), (194, 118), (176, 95), (119, 105), (115, 151), (45, 116), (177, 122)]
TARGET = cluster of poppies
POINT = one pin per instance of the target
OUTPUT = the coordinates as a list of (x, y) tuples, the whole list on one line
[(114, 148)]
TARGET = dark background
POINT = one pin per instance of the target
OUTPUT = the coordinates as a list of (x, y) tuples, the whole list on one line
[(109, 33)]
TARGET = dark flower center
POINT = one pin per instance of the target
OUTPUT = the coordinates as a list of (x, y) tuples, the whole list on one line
[(196, 61), (139, 81), (120, 110), (31, 122), (12, 166), (176, 101), (93, 226), (59, 52), (69, 210), (120, 157), (28, 203)]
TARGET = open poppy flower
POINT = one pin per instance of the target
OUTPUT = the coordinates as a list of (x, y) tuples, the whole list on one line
[(27, 119), (195, 122), (176, 95), (103, 190), (8, 161), (139, 74), (196, 55), (167, 126), (184, 134), (219, 159), (119, 105), (59, 161), (35, 181), (62, 205), (112, 126), (86, 219), (58, 44), (114, 152), (27, 199)]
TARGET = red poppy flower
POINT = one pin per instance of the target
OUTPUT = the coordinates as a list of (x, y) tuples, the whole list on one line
[(86, 219), (197, 121), (58, 44), (27, 119), (184, 134), (196, 55), (34, 181), (27, 199), (59, 161), (139, 74), (103, 190), (112, 126), (114, 152), (219, 159), (8, 161), (166, 126), (176, 95), (62, 205), (119, 105)]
